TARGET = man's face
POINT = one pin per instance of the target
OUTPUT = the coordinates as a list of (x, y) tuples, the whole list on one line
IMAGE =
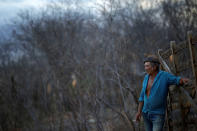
[(148, 68)]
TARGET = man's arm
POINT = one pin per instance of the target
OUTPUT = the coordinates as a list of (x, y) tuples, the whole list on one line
[(141, 101), (139, 112), (176, 80)]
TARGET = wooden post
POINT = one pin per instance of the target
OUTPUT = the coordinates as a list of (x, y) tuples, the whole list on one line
[(169, 105), (192, 57), (169, 109), (172, 47), (174, 56)]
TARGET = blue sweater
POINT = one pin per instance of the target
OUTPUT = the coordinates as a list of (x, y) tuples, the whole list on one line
[(156, 102)]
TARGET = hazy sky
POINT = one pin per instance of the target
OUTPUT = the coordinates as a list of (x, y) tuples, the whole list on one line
[(10, 8)]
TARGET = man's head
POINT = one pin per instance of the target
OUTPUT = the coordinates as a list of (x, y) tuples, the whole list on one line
[(151, 64)]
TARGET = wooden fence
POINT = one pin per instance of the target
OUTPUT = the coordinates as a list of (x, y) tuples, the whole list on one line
[(181, 60)]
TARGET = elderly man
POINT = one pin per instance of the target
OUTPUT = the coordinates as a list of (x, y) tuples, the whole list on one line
[(152, 100)]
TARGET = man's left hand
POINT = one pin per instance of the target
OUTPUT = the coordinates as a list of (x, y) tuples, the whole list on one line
[(184, 81)]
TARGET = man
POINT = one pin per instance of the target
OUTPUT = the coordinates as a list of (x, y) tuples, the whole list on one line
[(152, 100)]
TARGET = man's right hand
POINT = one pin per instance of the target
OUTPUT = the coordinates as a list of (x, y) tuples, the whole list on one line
[(138, 116)]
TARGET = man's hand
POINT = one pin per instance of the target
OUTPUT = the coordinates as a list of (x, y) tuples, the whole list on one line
[(139, 112), (138, 116), (184, 81)]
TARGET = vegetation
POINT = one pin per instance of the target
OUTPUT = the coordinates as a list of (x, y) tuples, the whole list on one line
[(64, 69)]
